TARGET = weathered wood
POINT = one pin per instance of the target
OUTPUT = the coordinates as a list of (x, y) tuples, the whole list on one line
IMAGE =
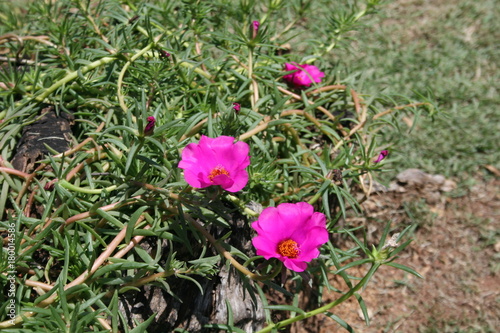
[(191, 309), (50, 129), (188, 308)]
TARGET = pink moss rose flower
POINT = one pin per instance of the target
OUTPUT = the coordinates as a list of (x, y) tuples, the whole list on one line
[(291, 233), (217, 161), (303, 76)]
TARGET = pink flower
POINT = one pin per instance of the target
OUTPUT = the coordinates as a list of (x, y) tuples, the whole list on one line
[(383, 154), (291, 233), (304, 75), (217, 161)]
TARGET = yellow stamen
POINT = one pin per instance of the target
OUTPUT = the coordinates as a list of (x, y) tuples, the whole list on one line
[(218, 170), (288, 248)]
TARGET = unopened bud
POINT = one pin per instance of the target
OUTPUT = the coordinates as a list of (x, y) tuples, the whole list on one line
[(49, 186), (150, 127), (255, 28), (383, 154), (236, 107), (164, 54)]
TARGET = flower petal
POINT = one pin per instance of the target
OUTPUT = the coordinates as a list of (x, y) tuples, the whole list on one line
[(194, 179), (294, 217), (295, 265), (224, 181), (304, 75), (239, 181), (264, 247)]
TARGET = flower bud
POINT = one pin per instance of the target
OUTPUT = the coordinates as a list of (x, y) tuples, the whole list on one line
[(383, 154), (255, 28), (236, 107), (49, 186), (164, 54), (150, 127)]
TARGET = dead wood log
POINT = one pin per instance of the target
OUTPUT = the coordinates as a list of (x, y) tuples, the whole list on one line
[(185, 306), (50, 129)]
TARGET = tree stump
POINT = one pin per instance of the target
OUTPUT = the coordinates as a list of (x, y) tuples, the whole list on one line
[(50, 130), (186, 307)]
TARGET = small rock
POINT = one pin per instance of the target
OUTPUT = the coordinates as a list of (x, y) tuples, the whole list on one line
[(416, 177), (376, 186), (497, 247), (438, 179), (395, 187), (412, 177), (449, 185), (433, 197), (362, 316)]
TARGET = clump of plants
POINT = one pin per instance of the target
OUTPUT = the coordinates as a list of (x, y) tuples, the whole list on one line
[(205, 137)]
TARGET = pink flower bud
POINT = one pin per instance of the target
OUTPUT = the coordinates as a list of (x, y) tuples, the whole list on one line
[(49, 186), (383, 154), (164, 54), (236, 107), (255, 27), (150, 127)]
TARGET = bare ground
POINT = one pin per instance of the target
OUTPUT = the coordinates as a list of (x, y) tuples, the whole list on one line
[(456, 248)]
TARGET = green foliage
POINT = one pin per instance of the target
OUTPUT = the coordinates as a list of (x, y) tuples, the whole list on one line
[(106, 63)]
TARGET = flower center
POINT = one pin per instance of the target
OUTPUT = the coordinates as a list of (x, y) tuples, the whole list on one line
[(288, 248), (217, 171)]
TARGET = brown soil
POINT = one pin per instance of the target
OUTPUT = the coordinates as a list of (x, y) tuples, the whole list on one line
[(456, 248)]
